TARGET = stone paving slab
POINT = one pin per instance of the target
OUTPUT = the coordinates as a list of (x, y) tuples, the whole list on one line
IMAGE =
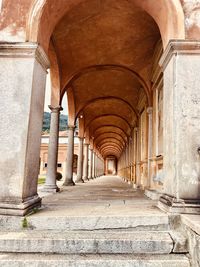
[(107, 195)]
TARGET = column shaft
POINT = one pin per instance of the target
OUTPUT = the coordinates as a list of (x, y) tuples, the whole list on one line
[(85, 162), (91, 163), (50, 183), (80, 162), (70, 155), (150, 143)]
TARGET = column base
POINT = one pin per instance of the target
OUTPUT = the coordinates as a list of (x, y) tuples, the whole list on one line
[(80, 180), (50, 188), (69, 183), (153, 194), (22, 208), (172, 205)]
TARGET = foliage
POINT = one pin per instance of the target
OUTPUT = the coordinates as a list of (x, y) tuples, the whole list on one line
[(47, 119), (41, 180), (24, 223)]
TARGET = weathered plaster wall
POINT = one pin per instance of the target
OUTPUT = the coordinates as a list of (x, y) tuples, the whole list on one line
[(191, 10), (13, 16)]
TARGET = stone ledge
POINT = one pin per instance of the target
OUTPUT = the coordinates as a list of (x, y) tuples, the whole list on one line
[(152, 194), (180, 47)]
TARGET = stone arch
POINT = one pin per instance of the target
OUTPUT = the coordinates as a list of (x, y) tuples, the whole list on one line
[(99, 99), (116, 135), (110, 115), (111, 126), (117, 67), (110, 141), (110, 148), (71, 107), (107, 144), (168, 14), (55, 75)]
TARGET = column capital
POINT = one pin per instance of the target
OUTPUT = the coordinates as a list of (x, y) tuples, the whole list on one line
[(86, 144), (149, 110), (179, 47), (71, 127), (135, 129), (55, 109)]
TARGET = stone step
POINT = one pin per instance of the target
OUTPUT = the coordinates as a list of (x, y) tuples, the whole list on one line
[(50, 260), (86, 242), (137, 222)]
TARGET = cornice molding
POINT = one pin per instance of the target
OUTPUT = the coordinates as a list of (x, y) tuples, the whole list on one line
[(179, 47), (25, 50)]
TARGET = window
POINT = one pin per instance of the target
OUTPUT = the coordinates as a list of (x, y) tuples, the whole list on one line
[(45, 165), (59, 165)]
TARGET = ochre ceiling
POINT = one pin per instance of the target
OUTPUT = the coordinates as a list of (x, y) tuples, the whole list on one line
[(105, 50)]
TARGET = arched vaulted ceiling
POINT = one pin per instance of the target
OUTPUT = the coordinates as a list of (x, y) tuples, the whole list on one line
[(105, 51)]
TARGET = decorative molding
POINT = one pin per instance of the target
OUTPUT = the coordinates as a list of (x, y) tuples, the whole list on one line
[(25, 50), (149, 110), (71, 127), (179, 47), (55, 109)]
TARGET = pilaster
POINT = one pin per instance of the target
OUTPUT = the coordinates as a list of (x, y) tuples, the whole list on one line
[(181, 64), (23, 68)]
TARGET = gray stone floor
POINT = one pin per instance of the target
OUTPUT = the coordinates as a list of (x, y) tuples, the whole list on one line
[(107, 195)]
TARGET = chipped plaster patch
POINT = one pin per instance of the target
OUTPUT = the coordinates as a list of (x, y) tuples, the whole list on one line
[(10, 34), (192, 14), (194, 19)]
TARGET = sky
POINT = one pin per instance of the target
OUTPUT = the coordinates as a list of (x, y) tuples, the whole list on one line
[(48, 97)]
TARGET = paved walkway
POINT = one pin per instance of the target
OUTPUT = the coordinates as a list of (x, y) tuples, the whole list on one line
[(107, 195)]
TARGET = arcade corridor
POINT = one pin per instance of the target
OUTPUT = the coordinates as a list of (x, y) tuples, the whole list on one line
[(107, 195)]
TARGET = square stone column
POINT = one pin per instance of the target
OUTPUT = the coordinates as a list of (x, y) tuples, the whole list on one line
[(181, 65), (22, 90)]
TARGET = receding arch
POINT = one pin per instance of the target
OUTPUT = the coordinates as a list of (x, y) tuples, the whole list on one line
[(107, 144), (103, 67), (109, 138), (109, 115), (92, 101), (112, 126), (55, 75), (168, 14), (71, 107), (112, 133), (110, 150)]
